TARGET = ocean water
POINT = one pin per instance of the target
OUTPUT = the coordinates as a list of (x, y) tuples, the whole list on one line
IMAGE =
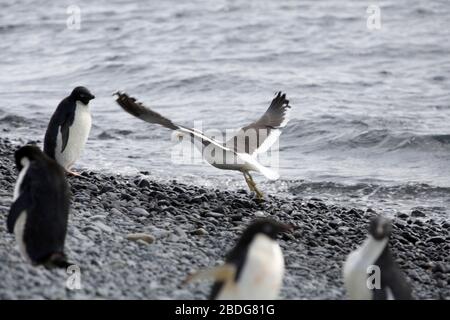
[(370, 108)]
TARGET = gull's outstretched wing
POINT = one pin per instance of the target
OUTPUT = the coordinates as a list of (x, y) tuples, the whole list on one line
[(260, 135), (137, 109)]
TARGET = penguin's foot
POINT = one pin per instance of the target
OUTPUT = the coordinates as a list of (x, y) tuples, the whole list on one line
[(223, 273), (57, 260), (74, 174)]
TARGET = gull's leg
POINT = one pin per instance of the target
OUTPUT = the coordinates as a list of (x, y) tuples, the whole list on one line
[(250, 185), (259, 194)]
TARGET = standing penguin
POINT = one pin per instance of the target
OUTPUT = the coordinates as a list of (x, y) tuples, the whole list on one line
[(39, 213), (253, 269), (373, 256), (69, 128)]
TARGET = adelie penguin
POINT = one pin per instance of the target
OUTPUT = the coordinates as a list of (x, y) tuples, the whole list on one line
[(40, 208), (68, 129), (374, 259), (253, 269)]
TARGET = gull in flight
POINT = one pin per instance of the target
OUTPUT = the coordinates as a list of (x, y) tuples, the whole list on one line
[(238, 153)]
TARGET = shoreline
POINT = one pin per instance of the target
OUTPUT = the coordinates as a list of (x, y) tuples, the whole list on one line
[(192, 227)]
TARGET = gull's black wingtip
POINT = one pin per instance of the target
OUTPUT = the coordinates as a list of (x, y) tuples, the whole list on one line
[(280, 94), (120, 94)]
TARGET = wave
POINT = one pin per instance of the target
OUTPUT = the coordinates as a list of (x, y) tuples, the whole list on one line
[(14, 121), (410, 190), (337, 133), (421, 200)]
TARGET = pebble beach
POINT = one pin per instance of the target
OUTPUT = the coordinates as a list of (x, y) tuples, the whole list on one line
[(188, 227)]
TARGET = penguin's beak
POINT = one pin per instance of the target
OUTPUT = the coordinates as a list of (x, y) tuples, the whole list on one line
[(91, 97), (286, 227)]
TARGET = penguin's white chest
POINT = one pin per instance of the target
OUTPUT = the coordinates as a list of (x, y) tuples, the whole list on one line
[(19, 226), (78, 135), (356, 268), (262, 275)]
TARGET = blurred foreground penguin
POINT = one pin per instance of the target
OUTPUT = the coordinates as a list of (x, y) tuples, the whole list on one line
[(374, 259), (69, 128), (39, 213), (254, 269)]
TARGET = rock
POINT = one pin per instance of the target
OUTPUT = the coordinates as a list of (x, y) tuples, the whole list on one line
[(97, 217), (408, 236), (214, 214), (140, 212), (417, 213), (236, 217), (334, 224), (400, 224), (103, 227), (198, 199), (436, 240), (179, 189), (163, 203), (311, 205), (114, 211), (220, 209), (126, 196), (288, 236), (402, 216), (180, 232), (439, 267), (200, 232), (147, 238), (106, 188), (144, 183), (334, 241), (260, 214), (142, 242), (91, 228), (353, 212), (287, 208)]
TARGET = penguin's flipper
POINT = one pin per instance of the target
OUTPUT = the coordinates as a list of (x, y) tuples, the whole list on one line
[(22, 203), (398, 287), (223, 273), (65, 127)]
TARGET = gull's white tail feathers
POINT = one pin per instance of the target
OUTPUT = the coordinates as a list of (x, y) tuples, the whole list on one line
[(268, 173)]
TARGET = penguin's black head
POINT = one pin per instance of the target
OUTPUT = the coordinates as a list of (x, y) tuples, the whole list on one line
[(27, 153), (268, 227), (380, 228), (82, 94)]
